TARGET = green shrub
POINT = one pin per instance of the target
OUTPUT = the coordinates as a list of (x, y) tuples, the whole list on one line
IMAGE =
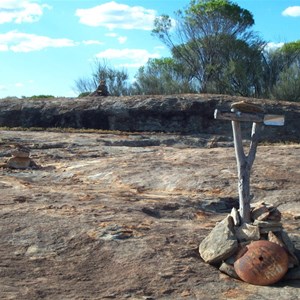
[(84, 94), (41, 96)]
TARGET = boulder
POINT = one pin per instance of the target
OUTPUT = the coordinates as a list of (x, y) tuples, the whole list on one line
[(19, 162)]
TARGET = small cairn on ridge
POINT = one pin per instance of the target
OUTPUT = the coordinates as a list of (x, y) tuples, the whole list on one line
[(250, 243), (101, 89), (20, 159)]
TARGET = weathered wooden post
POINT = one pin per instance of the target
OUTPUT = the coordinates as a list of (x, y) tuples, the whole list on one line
[(246, 112)]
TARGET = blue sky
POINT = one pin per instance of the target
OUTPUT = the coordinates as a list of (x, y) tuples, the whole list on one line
[(45, 45)]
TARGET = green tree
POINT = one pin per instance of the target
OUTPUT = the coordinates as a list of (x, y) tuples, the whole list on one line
[(214, 40), (281, 71), (163, 76), (288, 85), (116, 80)]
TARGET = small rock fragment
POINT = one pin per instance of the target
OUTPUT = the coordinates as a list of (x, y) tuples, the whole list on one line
[(274, 239), (260, 212), (229, 270), (290, 248), (266, 226), (287, 241), (275, 214)]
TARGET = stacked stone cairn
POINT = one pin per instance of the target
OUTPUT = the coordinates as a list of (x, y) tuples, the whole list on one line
[(101, 90), (243, 251), (20, 159)]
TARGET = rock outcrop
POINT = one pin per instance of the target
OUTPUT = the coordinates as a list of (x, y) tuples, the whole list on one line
[(187, 114), (120, 216)]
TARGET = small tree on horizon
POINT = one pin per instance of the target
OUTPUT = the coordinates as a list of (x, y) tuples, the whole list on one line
[(116, 80)]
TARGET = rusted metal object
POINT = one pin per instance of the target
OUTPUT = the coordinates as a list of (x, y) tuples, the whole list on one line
[(261, 263)]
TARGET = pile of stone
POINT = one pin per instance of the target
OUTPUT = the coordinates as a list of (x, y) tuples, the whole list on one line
[(101, 90), (20, 159), (261, 250)]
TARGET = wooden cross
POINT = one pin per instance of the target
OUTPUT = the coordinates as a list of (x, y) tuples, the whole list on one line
[(245, 162)]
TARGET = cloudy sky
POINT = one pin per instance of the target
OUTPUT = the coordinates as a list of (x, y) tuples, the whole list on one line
[(45, 45)]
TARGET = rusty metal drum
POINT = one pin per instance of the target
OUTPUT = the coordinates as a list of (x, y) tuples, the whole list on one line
[(261, 263)]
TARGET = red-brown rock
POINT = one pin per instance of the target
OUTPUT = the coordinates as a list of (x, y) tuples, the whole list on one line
[(261, 263)]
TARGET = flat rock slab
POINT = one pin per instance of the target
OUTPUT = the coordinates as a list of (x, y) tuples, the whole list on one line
[(220, 244), (121, 216)]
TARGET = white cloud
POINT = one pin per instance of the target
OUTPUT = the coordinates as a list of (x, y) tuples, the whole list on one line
[(3, 47), (292, 11), (23, 42), (111, 34), (133, 57), (92, 42), (273, 46), (19, 85), (114, 15), (21, 11), (122, 39)]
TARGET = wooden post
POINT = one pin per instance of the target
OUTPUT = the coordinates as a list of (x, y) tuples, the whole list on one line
[(245, 162), (244, 165)]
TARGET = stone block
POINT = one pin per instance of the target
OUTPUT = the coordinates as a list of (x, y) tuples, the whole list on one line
[(220, 244)]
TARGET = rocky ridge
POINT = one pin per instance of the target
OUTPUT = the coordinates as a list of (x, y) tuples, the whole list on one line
[(185, 114)]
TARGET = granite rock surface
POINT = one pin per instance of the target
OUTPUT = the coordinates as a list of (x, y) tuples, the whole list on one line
[(121, 216)]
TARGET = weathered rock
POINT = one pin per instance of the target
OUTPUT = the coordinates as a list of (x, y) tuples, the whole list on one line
[(266, 226), (260, 212), (290, 248), (261, 263), (229, 270), (220, 244), (178, 113), (19, 162), (274, 239), (247, 232), (293, 260), (274, 215), (20, 153), (287, 241), (263, 212)]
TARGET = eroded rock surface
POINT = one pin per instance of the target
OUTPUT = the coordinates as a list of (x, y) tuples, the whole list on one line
[(121, 216), (189, 114)]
